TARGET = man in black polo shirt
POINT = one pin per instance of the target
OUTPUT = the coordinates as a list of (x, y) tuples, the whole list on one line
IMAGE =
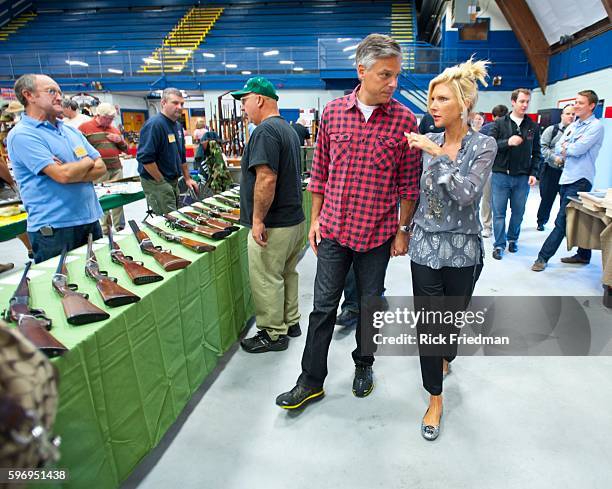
[(161, 155), (271, 205)]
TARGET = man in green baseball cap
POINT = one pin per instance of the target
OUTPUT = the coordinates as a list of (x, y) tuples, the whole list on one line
[(271, 205), (258, 85)]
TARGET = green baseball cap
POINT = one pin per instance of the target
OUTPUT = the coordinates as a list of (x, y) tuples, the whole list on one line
[(259, 85)]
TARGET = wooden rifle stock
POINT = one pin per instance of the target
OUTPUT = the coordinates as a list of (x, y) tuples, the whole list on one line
[(167, 260), (77, 308), (112, 293), (210, 222), (192, 244), (33, 323), (205, 231), (212, 212), (138, 273)]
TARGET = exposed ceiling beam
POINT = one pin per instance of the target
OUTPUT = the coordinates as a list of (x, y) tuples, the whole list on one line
[(530, 36), (583, 35), (608, 6)]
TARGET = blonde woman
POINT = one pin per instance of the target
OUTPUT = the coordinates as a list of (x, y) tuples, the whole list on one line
[(446, 245)]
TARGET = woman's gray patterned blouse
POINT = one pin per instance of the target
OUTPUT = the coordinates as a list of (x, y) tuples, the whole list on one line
[(447, 223)]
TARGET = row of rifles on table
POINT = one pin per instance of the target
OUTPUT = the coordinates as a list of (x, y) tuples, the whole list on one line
[(210, 220)]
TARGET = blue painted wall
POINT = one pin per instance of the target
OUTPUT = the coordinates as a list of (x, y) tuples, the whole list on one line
[(501, 48), (586, 57)]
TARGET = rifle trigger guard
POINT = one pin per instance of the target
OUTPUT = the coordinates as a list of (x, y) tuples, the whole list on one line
[(72, 287), (159, 248)]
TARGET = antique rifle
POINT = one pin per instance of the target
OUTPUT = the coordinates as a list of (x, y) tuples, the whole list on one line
[(77, 308), (208, 232), (192, 244), (227, 201), (112, 293), (32, 323), (166, 259), (213, 211), (138, 273), (200, 218)]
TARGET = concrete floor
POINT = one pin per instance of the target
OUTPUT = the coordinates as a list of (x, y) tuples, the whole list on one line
[(509, 422)]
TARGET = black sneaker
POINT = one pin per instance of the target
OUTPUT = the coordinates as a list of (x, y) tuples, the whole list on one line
[(512, 247), (363, 383), (540, 227), (294, 331), (261, 343), (299, 396), (498, 253)]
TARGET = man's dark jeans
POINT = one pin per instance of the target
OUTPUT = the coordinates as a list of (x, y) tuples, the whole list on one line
[(45, 247), (333, 264), (351, 298), (549, 187), (555, 238)]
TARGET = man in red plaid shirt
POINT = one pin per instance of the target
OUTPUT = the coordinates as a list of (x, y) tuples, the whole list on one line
[(362, 167)]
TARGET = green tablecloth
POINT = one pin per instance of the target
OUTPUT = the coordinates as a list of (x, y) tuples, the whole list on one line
[(107, 202), (125, 380)]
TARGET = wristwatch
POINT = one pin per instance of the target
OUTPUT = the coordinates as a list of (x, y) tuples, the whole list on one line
[(404, 229)]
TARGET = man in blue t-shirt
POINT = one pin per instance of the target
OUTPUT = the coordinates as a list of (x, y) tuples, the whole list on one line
[(54, 167)]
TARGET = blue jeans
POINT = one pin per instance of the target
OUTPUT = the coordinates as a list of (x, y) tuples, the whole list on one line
[(333, 264), (506, 188), (555, 238), (45, 247)]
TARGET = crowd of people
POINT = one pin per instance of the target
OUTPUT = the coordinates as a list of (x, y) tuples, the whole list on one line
[(381, 186)]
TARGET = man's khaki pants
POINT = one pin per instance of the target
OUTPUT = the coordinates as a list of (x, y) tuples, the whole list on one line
[(162, 197), (274, 278), (116, 214)]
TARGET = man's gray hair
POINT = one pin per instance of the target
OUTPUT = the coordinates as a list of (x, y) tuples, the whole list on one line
[(24, 82), (375, 47), (171, 91)]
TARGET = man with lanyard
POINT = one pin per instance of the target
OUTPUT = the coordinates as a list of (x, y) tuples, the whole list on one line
[(578, 148), (161, 155), (362, 167), (54, 167)]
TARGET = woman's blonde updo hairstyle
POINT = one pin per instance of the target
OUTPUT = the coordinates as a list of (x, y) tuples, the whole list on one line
[(463, 81)]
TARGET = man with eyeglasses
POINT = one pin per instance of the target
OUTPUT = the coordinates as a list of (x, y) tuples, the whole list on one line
[(54, 167), (271, 205)]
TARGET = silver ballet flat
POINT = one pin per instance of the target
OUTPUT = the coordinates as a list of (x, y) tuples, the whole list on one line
[(430, 432)]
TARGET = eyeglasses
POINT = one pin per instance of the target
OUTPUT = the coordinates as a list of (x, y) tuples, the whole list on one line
[(53, 92)]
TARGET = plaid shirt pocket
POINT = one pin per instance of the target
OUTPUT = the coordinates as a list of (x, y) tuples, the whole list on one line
[(385, 153)]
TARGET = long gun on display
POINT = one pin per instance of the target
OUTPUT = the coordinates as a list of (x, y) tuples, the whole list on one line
[(32, 323), (138, 273), (232, 196), (221, 209), (192, 244), (112, 293), (227, 201), (77, 308), (206, 221), (166, 259), (214, 212), (208, 232)]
